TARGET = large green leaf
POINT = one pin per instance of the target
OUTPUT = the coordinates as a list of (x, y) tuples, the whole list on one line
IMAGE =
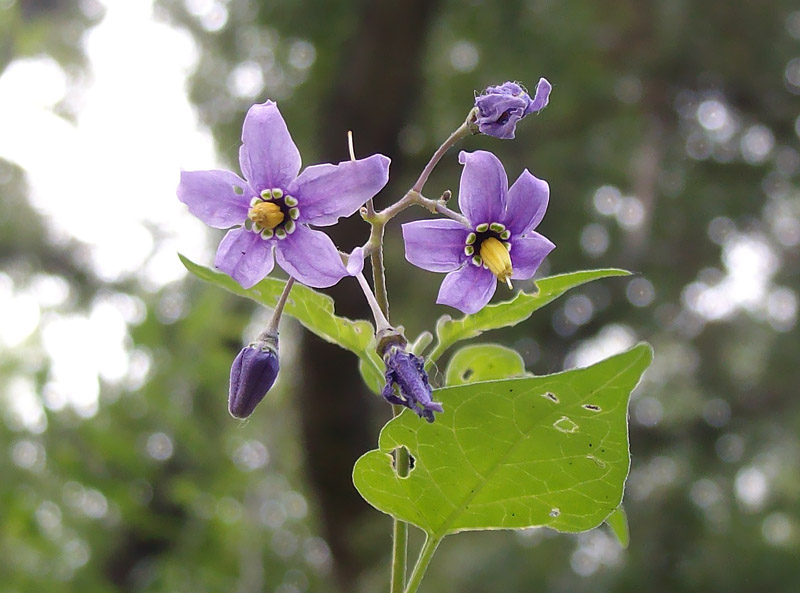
[(509, 313), (539, 451), (483, 362), (313, 310)]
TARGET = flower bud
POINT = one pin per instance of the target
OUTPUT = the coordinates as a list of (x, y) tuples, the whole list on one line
[(253, 373), (499, 108), (406, 373)]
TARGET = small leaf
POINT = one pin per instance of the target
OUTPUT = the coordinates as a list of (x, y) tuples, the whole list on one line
[(618, 522), (483, 362), (510, 313), (539, 451), (312, 309)]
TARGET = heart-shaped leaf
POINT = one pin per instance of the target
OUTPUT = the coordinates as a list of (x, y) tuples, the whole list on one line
[(538, 451)]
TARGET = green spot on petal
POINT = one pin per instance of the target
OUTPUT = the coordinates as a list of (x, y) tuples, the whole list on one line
[(290, 201), (483, 227), (471, 238)]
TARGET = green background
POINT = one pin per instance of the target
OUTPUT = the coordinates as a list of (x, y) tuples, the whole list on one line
[(713, 499)]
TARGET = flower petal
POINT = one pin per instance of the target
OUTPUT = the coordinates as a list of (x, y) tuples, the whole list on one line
[(268, 156), (435, 245), (311, 258), (527, 254), (211, 197), (542, 96), (527, 203), (467, 289), (355, 262), (245, 256), (328, 192), (483, 188)]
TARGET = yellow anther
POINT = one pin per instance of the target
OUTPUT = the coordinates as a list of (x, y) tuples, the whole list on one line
[(496, 257), (267, 215)]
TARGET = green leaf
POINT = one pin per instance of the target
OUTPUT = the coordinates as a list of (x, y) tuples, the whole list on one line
[(618, 522), (510, 313), (539, 451), (483, 362), (313, 310)]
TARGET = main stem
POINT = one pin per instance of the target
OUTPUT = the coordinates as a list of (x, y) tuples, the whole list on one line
[(375, 248)]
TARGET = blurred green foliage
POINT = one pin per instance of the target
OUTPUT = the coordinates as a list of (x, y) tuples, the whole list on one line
[(671, 148)]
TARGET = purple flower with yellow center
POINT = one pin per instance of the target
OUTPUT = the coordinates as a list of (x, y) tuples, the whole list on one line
[(273, 205), (501, 107), (498, 245)]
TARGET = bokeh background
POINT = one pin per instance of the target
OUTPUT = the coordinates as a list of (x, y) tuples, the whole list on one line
[(671, 145)]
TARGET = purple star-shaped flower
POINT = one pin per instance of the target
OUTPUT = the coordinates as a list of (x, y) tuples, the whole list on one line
[(498, 244), (501, 107), (274, 205)]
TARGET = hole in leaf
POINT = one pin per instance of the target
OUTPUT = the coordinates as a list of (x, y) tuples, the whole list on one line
[(565, 424), (411, 462), (238, 190), (592, 407), (551, 396), (467, 374), (555, 512)]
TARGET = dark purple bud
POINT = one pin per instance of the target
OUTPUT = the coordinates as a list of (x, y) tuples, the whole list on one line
[(253, 372), (501, 107), (407, 383)]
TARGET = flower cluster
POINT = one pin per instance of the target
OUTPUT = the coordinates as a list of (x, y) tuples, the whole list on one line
[(271, 210)]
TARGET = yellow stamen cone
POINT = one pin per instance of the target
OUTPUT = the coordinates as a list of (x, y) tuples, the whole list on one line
[(267, 215), (496, 257)]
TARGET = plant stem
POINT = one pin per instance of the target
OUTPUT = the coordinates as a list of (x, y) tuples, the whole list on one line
[(274, 322), (425, 555), (381, 323), (399, 528), (460, 132)]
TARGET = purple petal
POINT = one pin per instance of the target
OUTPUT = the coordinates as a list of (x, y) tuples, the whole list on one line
[(468, 289), (483, 188), (211, 197), (328, 192), (527, 203), (527, 254), (435, 245), (542, 96), (268, 156), (311, 258), (245, 256), (355, 262)]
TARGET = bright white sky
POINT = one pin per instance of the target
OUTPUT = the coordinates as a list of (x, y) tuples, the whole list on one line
[(101, 180)]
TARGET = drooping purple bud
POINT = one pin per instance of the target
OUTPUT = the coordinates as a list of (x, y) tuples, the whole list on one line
[(501, 107), (407, 383), (253, 373)]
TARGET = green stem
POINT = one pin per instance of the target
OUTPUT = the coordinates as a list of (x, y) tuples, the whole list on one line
[(425, 555), (399, 528), (461, 132)]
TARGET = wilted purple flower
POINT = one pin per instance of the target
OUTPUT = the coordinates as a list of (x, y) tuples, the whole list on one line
[(253, 373), (274, 205), (501, 107), (498, 244), (406, 372)]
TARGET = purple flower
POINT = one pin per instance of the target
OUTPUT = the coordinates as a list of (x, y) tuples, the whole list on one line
[(498, 244), (406, 373), (501, 107), (253, 373), (274, 205)]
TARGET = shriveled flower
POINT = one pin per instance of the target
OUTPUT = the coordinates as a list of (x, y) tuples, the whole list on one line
[(407, 383), (274, 205), (499, 243), (253, 373), (501, 107)]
